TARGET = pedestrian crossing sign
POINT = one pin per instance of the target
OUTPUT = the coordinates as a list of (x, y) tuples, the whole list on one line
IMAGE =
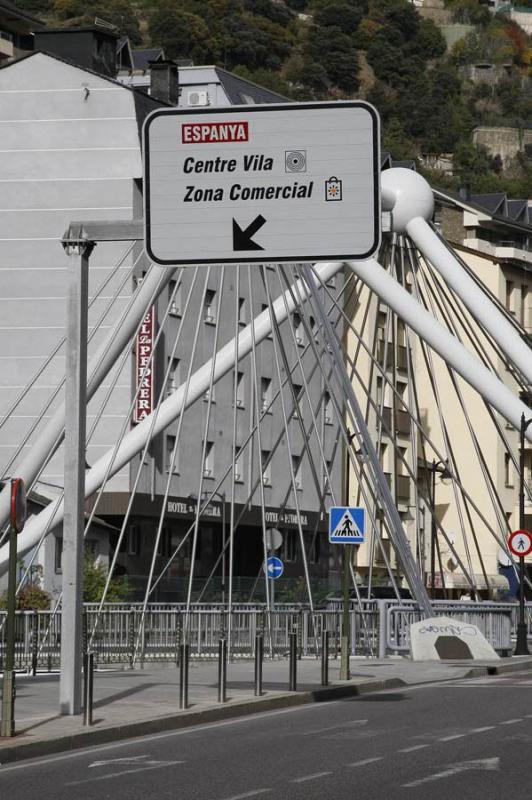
[(347, 525)]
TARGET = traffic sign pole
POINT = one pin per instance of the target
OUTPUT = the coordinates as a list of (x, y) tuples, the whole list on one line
[(17, 519), (522, 639)]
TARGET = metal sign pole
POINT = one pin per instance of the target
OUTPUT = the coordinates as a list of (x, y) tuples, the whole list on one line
[(522, 640), (74, 470), (7, 725)]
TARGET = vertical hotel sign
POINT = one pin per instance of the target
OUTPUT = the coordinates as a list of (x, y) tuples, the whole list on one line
[(144, 383)]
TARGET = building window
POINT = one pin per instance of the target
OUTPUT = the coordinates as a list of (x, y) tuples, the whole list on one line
[(298, 393), (239, 465), (266, 307), (164, 548), (58, 554), (239, 389), (290, 545), (174, 298), (209, 307), (296, 469), (171, 458), (241, 310), (298, 330), (508, 470), (92, 548), (133, 541), (173, 375), (327, 409), (265, 393), (208, 463), (266, 467), (314, 549), (326, 482)]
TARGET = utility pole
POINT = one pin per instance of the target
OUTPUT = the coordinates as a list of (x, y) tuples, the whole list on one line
[(522, 640)]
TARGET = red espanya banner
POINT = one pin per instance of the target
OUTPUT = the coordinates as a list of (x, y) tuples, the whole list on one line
[(144, 382)]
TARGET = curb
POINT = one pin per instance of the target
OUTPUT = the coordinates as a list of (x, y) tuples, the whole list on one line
[(94, 736)]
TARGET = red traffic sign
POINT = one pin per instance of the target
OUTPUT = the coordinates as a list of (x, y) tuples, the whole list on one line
[(520, 543), (18, 509)]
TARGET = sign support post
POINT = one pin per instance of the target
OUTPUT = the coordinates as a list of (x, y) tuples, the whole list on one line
[(16, 524), (522, 641), (75, 443)]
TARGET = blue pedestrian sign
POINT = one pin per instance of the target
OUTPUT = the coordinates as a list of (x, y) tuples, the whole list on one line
[(347, 525), (274, 567)]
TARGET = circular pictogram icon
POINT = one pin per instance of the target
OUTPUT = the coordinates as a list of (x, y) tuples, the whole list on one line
[(295, 160), (520, 543)]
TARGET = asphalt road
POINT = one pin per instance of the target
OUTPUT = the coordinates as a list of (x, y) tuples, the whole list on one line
[(465, 740)]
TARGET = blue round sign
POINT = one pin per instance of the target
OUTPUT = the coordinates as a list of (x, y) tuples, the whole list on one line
[(274, 567)]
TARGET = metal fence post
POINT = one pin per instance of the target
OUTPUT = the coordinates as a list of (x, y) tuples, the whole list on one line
[(183, 676), (34, 643), (293, 662), (88, 687), (259, 654), (325, 658), (381, 604), (222, 670), (131, 637)]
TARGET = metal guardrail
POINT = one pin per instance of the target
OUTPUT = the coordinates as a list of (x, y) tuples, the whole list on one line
[(494, 620), (123, 636)]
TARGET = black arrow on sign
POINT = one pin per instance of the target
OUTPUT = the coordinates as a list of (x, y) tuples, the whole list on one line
[(242, 238)]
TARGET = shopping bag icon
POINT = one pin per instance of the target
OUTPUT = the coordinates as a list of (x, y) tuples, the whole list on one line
[(333, 189)]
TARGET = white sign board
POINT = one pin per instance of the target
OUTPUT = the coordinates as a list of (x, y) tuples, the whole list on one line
[(296, 182)]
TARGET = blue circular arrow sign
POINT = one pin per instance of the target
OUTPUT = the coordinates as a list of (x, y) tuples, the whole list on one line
[(274, 567)]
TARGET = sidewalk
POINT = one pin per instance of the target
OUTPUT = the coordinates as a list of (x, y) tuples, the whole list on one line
[(132, 703)]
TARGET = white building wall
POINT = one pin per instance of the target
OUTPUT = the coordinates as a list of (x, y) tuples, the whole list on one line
[(69, 150)]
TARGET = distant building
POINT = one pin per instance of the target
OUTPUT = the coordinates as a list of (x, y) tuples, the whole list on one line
[(16, 31)]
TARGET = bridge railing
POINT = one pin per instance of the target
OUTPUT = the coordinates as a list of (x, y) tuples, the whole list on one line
[(123, 635)]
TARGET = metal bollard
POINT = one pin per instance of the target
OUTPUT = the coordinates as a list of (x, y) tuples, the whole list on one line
[(293, 662), (34, 644), (183, 676), (88, 687), (222, 670), (259, 655), (325, 658)]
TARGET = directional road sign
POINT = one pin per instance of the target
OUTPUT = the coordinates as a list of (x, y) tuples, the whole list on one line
[(520, 543), (347, 525), (290, 182), (274, 567)]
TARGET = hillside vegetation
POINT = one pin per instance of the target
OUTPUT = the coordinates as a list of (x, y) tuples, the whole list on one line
[(380, 50)]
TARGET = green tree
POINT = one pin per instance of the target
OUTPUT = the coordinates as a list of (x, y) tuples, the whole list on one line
[(341, 15), (94, 579), (179, 33)]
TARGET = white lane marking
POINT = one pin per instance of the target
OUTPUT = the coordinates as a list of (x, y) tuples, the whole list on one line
[(365, 761), (125, 772), (252, 793), (310, 777), (334, 727), (451, 738), (454, 769), (414, 747), (481, 730), (511, 721), (169, 734), (127, 760)]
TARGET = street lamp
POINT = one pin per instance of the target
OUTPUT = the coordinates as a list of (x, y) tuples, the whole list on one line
[(442, 469), (522, 642)]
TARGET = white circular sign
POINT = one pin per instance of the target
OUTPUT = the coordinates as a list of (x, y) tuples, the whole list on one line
[(274, 539), (520, 543)]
